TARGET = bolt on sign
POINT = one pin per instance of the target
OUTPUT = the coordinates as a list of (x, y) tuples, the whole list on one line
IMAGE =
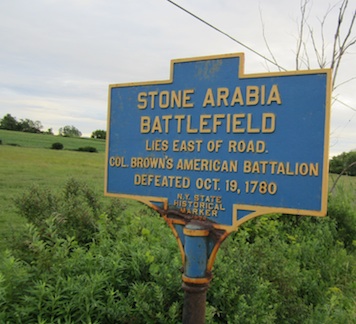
[(221, 145)]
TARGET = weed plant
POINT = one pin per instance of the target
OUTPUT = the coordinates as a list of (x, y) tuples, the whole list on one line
[(79, 260), (83, 262), (22, 167)]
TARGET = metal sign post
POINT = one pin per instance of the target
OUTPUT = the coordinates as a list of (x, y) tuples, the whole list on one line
[(213, 147), (195, 279)]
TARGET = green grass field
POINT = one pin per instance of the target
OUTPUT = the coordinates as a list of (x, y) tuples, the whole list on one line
[(45, 141), (344, 183), (32, 162)]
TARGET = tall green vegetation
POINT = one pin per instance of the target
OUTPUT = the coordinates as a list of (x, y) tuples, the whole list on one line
[(80, 260), (33, 162), (99, 133), (69, 131), (344, 163), (9, 122)]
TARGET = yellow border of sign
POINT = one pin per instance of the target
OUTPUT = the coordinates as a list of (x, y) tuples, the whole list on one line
[(255, 210)]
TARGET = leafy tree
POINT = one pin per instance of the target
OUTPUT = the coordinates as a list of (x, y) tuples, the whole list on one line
[(26, 125), (99, 133), (351, 163), (9, 123), (336, 164), (30, 126), (69, 131), (49, 131), (345, 163)]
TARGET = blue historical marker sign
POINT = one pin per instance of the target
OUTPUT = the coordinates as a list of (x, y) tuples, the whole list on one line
[(221, 145)]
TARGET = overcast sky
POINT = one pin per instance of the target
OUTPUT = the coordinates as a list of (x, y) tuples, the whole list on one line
[(58, 57)]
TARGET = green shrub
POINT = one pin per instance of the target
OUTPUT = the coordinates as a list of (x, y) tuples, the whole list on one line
[(123, 274), (37, 205), (280, 269), (82, 260), (74, 210), (341, 209), (344, 163), (57, 146), (90, 149)]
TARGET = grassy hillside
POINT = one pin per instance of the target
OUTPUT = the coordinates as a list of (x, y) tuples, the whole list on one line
[(45, 141), (33, 163)]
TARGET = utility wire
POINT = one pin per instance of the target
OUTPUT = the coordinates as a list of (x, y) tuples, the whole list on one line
[(243, 45), (227, 35), (346, 105)]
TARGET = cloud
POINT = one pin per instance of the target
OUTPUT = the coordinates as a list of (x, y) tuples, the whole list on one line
[(59, 57)]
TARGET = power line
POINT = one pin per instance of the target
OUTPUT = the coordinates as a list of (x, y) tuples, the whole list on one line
[(346, 105), (347, 123), (227, 35), (240, 43)]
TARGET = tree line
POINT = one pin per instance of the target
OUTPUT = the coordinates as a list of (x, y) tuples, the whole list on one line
[(9, 122), (344, 163)]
